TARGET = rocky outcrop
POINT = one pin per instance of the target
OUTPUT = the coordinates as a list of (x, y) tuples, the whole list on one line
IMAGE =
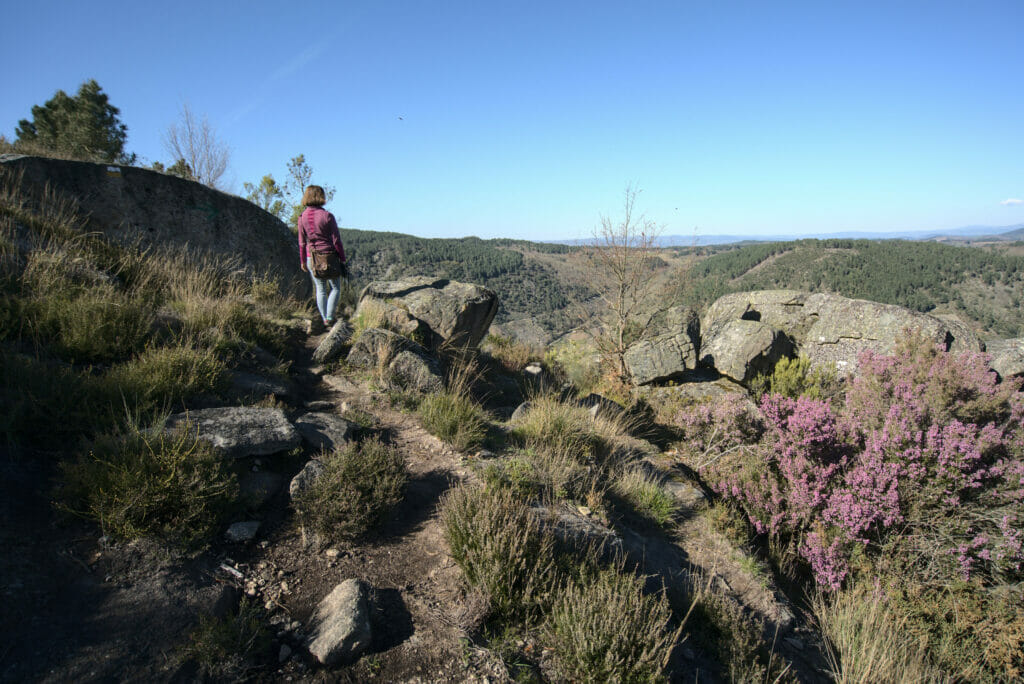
[(240, 431), (324, 431), (743, 349), (341, 625), (830, 329), (668, 349), (450, 312), (132, 205), (1007, 357), (406, 364)]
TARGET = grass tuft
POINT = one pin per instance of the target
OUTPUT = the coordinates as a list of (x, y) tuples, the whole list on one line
[(647, 496)]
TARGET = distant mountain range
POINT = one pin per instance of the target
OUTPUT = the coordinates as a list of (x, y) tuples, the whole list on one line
[(973, 233)]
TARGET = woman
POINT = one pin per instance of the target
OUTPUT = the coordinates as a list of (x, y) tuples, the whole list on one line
[(318, 232)]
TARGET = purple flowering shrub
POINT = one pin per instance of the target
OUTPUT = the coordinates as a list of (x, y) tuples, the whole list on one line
[(711, 429), (921, 469)]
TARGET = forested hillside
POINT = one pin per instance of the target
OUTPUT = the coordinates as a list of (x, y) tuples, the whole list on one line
[(525, 287), (984, 286)]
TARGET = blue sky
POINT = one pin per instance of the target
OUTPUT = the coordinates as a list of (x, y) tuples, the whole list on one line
[(528, 119)]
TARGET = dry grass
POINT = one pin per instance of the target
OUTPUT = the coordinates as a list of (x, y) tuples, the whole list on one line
[(645, 494)]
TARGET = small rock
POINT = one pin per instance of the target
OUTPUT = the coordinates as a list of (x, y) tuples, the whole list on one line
[(306, 477), (285, 653), (341, 625), (243, 531), (331, 553)]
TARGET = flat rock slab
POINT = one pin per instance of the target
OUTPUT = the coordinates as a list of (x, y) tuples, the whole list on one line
[(240, 431), (243, 531), (324, 431), (341, 625)]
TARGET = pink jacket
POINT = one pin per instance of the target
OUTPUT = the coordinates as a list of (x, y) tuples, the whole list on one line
[(318, 231)]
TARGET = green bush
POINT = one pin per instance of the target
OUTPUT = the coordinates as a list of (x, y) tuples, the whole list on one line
[(501, 547), (359, 485), (455, 418), (170, 486), (544, 474), (512, 354), (605, 629), (224, 646), (162, 377), (795, 377)]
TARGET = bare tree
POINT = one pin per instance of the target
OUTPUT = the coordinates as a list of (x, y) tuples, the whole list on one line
[(623, 252), (194, 141)]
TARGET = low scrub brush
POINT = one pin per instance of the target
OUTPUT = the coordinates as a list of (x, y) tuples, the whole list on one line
[(359, 485), (455, 418), (646, 495)]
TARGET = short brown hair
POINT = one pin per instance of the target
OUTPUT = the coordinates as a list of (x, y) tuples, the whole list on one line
[(314, 196)]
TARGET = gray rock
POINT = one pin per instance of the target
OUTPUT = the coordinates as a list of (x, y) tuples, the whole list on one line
[(453, 313), (1007, 357), (742, 349), (660, 359), (324, 431), (240, 431), (243, 531), (376, 347), (340, 629), (259, 488), (780, 309), (520, 412), (694, 392), (155, 210), (416, 372), (843, 328), (597, 405), (250, 385), (331, 345), (306, 477)]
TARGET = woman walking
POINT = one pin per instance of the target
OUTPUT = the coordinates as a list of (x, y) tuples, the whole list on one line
[(320, 251)]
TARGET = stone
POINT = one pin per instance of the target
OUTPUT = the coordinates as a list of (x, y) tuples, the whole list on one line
[(284, 653), (375, 347), (240, 431), (251, 385), (417, 372), (258, 489), (240, 532), (453, 313), (780, 309), (340, 629), (742, 349), (597, 405), (660, 359), (333, 343), (521, 412), (324, 431), (843, 328), (1007, 357), (305, 478), (156, 210)]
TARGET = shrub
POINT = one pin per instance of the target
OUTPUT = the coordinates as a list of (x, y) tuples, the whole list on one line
[(545, 474), (795, 378), (605, 629), (578, 362), (455, 418), (163, 376), (223, 646), (566, 428), (501, 547), (646, 495), (867, 641), (712, 429), (359, 485), (171, 486), (513, 355)]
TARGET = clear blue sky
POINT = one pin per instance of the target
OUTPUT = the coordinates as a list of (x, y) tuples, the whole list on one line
[(528, 119)]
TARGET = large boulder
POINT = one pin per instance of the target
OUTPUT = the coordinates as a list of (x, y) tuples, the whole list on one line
[(843, 328), (1007, 357), (240, 431), (743, 349), (830, 329), (450, 312), (781, 309), (407, 364), (664, 358), (324, 431), (133, 205), (341, 625)]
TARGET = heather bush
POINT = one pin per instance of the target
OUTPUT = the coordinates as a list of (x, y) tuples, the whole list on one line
[(918, 476), (712, 429)]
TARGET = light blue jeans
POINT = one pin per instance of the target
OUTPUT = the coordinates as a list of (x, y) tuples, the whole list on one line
[(326, 303)]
